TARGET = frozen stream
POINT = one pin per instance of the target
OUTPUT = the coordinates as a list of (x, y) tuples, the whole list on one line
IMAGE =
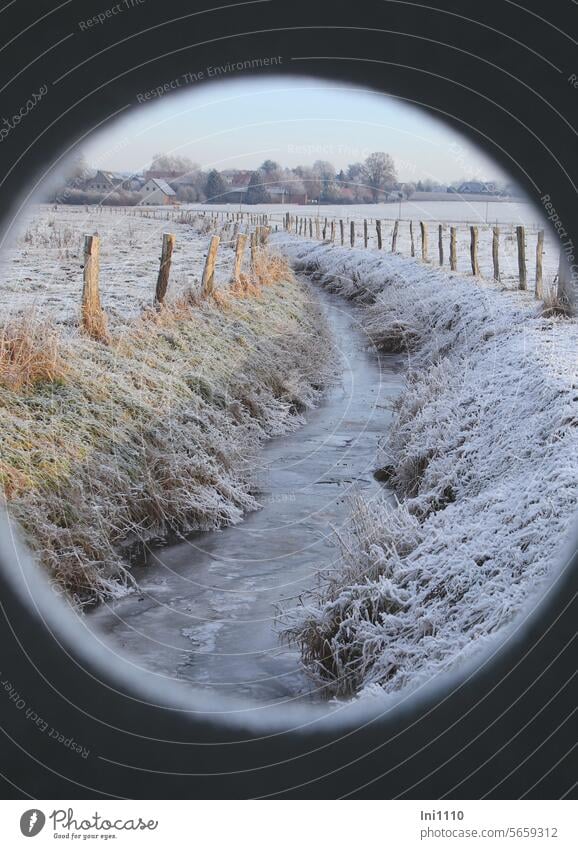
[(206, 608)]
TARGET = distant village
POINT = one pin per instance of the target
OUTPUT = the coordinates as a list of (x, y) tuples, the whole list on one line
[(173, 180)]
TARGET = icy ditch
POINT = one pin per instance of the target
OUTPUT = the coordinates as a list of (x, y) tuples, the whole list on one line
[(482, 455), (157, 431)]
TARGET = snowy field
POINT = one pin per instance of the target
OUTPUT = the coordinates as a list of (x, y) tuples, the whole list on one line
[(41, 262), (448, 211), (42, 257), (482, 456)]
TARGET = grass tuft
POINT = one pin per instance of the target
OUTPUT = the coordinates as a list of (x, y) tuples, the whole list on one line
[(30, 353)]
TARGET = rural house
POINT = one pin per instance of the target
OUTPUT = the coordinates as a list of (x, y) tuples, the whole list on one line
[(475, 187), (157, 192), (105, 181)]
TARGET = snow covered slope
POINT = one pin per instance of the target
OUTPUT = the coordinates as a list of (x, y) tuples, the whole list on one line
[(482, 455)]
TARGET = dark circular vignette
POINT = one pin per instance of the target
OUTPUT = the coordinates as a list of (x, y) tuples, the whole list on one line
[(497, 72)]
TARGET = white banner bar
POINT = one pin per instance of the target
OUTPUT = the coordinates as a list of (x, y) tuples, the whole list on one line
[(290, 824)]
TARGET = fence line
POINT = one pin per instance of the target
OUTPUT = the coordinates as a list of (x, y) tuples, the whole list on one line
[(314, 227)]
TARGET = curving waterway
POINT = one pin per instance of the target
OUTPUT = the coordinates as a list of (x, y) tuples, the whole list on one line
[(205, 612)]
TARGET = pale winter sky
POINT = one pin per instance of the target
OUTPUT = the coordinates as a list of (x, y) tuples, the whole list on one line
[(239, 123)]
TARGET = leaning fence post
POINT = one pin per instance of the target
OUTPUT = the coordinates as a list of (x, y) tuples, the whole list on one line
[(208, 281), (423, 229), (239, 251), (539, 255), (365, 232), (521, 237), (165, 268), (441, 243), (93, 316), (394, 237), (496, 252), (474, 251), (453, 250), (411, 238), (378, 230), (352, 233)]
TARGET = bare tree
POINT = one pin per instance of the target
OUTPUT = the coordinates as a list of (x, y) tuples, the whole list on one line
[(379, 173)]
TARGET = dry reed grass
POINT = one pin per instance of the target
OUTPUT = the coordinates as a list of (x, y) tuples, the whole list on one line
[(30, 353), (154, 432)]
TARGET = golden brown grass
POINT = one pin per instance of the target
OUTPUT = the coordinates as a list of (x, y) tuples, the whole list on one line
[(30, 353)]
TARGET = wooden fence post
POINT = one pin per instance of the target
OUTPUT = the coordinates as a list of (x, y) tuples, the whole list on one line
[(93, 316), (496, 252), (165, 268), (394, 237), (352, 233), (310, 228), (317, 228), (453, 250), (365, 232), (254, 250), (521, 237), (474, 251), (332, 231), (378, 230), (441, 243), (412, 248), (342, 231), (208, 281), (423, 229), (539, 256), (564, 290), (239, 251)]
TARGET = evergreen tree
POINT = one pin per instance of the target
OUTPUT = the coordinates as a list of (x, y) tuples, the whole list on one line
[(216, 187)]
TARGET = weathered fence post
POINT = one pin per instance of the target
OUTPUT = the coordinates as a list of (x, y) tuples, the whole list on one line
[(412, 248), (394, 237), (441, 243), (239, 251), (424, 251), (496, 252), (93, 316), (378, 231), (474, 251), (310, 228), (342, 230), (539, 256), (521, 237), (317, 228), (352, 233), (165, 268), (564, 291), (365, 232), (453, 250), (332, 231), (208, 281)]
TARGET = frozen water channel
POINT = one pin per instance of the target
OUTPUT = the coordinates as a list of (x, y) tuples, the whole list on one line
[(206, 607)]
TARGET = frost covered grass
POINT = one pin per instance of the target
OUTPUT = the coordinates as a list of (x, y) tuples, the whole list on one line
[(42, 259), (156, 431), (30, 353), (483, 459)]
